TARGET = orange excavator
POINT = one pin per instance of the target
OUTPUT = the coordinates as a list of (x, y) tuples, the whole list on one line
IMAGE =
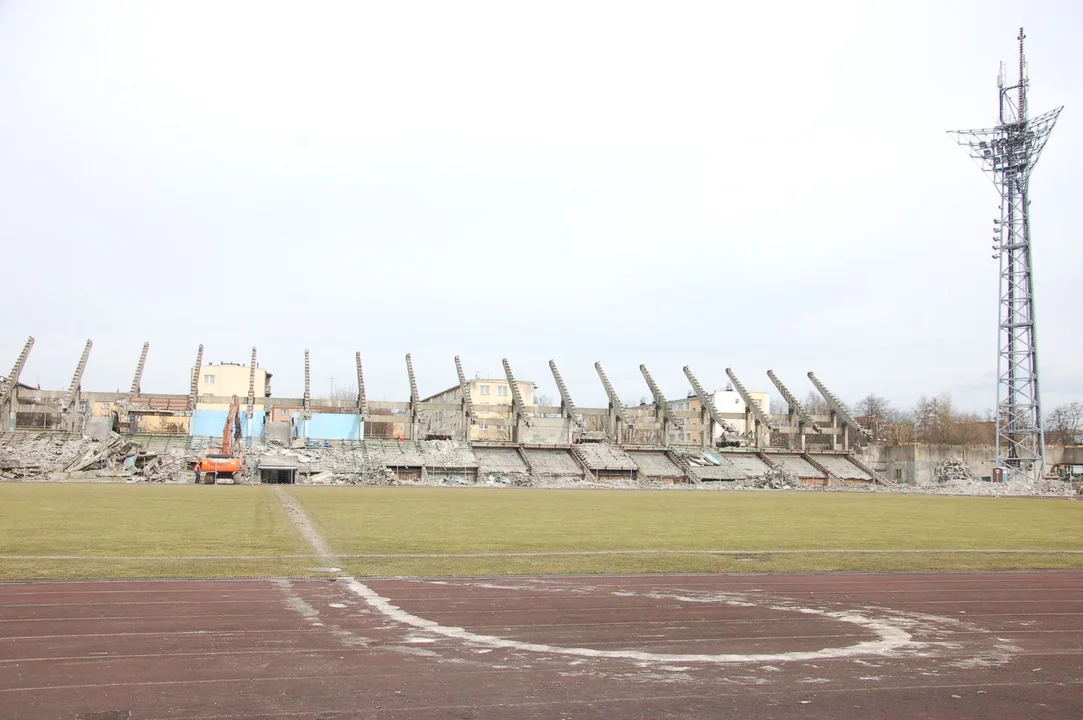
[(225, 461)]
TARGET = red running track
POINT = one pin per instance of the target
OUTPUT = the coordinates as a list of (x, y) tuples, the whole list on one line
[(958, 645)]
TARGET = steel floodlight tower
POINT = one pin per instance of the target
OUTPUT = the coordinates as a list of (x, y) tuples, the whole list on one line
[(1008, 154)]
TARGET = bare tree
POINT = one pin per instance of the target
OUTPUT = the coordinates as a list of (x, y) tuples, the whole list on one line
[(933, 419), (597, 423), (815, 403), (633, 435), (545, 400), (937, 421), (342, 395), (1064, 424), (873, 414)]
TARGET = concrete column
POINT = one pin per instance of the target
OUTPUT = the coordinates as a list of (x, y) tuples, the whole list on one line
[(13, 408)]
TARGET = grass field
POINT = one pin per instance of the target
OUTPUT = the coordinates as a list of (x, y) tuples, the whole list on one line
[(76, 531), (676, 531), (140, 530)]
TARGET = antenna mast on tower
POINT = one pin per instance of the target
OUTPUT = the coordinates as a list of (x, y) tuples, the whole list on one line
[(1008, 154)]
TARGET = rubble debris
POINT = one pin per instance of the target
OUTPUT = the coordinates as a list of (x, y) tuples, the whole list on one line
[(61, 456), (58, 457), (953, 469), (774, 479), (510, 480)]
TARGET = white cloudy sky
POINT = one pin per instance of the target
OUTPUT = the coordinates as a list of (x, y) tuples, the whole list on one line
[(719, 184)]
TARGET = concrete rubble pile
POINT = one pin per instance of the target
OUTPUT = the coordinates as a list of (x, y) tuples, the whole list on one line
[(34, 456), (954, 477), (331, 464), (71, 457), (1013, 487), (349, 464), (774, 479), (508, 479), (107, 456), (447, 453), (953, 469)]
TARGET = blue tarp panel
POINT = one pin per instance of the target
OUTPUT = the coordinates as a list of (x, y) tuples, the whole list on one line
[(258, 419), (209, 423), (329, 426)]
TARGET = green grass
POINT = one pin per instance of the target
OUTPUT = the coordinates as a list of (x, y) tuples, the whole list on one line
[(239, 531), (447, 522), (135, 530)]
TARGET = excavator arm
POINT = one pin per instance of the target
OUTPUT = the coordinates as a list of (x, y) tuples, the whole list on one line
[(232, 429)]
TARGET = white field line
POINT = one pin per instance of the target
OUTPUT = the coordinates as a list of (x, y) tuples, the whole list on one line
[(308, 531), (890, 637), (557, 553)]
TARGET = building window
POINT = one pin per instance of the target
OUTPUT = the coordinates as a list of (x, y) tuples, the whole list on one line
[(483, 426), (208, 379), (484, 389), (898, 474), (501, 390)]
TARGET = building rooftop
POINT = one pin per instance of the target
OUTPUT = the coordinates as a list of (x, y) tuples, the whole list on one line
[(477, 380)]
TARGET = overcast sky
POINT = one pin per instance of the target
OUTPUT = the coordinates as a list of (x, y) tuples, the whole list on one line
[(718, 184)]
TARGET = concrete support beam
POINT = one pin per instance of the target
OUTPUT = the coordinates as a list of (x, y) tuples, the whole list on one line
[(567, 406), (665, 416), (798, 415), (251, 393), (137, 378), (839, 413), (306, 401), (618, 419), (194, 388), (755, 417), (708, 410), (415, 399), (307, 407), (71, 399), (9, 398), (362, 400), (467, 408), (517, 408)]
